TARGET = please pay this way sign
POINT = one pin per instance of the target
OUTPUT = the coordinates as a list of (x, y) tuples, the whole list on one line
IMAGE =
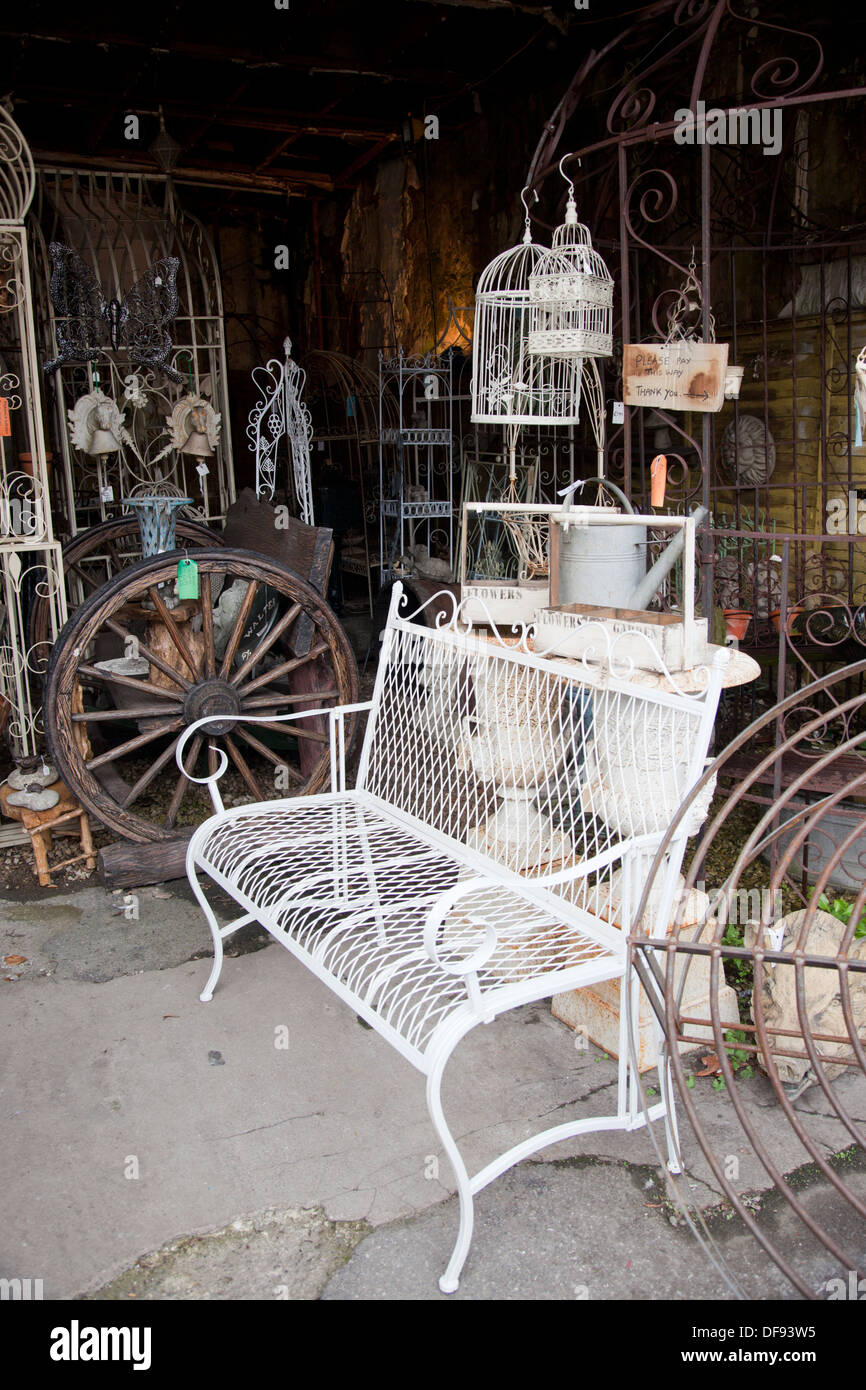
[(675, 376)]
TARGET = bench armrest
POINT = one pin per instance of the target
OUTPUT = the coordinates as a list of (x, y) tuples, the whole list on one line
[(468, 966), (439, 911), (337, 728)]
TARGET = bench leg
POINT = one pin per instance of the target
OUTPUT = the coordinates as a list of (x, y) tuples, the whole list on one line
[(666, 1087), (451, 1278), (207, 993)]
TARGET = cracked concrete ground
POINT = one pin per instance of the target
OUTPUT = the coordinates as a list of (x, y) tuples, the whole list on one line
[(156, 1147)]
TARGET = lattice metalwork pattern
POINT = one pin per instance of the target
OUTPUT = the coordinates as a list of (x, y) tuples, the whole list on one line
[(366, 933), (542, 765)]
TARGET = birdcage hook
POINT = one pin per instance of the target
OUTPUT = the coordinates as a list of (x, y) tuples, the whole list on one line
[(527, 236)]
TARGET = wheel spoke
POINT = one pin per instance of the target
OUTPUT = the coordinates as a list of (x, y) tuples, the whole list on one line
[(263, 701), (171, 627), (183, 783), (166, 727), (242, 767), (266, 643), (295, 729), (103, 716), (269, 753), (118, 563), (144, 650), (134, 683), (84, 577), (207, 629), (283, 669), (238, 629), (147, 777)]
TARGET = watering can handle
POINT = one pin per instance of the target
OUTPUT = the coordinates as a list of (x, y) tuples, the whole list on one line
[(566, 492)]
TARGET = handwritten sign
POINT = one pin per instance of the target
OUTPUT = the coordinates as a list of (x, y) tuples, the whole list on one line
[(679, 376), (5, 422)]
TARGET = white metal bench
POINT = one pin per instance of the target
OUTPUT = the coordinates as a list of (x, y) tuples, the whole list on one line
[(505, 815)]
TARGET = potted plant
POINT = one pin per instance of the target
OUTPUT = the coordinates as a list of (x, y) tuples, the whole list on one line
[(737, 601), (737, 622), (792, 615)]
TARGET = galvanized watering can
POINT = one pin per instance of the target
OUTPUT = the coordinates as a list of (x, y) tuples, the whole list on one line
[(607, 565)]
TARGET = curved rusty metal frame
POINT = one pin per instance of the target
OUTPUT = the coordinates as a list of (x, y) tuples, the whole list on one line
[(788, 79), (665, 991)]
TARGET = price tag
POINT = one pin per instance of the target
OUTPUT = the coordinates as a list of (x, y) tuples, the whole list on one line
[(202, 470), (187, 579), (5, 422), (106, 493), (618, 414)]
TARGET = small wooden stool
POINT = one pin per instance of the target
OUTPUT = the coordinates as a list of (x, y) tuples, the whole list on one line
[(40, 826)]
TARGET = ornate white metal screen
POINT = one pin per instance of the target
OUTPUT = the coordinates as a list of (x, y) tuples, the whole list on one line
[(30, 560), (120, 225), (282, 413)]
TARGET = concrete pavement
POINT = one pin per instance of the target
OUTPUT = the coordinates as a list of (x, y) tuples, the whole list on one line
[(136, 1119)]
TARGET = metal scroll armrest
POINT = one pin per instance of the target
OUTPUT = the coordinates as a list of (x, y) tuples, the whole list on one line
[(468, 965), (337, 728)]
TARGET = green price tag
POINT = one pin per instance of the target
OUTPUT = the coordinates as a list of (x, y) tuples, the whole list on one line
[(187, 579)]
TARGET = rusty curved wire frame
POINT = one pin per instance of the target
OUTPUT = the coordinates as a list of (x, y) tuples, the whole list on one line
[(666, 992)]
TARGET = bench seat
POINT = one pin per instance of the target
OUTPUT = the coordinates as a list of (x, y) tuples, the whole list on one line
[(347, 886)]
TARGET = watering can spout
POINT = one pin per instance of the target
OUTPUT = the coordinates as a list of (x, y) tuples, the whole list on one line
[(648, 586)]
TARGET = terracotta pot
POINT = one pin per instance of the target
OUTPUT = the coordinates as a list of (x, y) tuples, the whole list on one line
[(737, 622), (793, 614)]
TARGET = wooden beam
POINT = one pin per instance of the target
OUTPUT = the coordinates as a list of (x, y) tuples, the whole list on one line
[(289, 60), (294, 182), (222, 114)]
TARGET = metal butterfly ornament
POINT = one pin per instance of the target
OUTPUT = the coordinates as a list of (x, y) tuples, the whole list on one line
[(87, 323)]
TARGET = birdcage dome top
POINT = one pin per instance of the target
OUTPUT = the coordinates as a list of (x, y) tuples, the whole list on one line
[(509, 273), (571, 255), (17, 177), (576, 259)]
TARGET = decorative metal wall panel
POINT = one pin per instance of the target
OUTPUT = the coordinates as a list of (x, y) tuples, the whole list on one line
[(30, 565), (126, 231)]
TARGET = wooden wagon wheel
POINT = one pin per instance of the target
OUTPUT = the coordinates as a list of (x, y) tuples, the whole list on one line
[(95, 555), (133, 668)]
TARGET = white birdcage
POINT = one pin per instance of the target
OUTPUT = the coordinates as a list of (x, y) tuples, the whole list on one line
[(511, 386), (571, 295)]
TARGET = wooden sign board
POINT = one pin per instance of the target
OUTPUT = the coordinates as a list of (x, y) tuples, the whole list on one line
[(679, 376)]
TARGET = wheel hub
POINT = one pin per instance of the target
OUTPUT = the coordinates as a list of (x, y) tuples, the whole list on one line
[(213, 696)]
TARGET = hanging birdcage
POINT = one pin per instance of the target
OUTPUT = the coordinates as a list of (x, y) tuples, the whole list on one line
[(511, 386), (571, 295)]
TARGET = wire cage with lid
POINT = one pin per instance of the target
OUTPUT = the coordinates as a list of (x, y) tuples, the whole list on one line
[(510, 385), (570, 295)]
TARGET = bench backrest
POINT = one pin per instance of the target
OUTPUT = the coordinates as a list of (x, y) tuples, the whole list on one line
[(537, 764)]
